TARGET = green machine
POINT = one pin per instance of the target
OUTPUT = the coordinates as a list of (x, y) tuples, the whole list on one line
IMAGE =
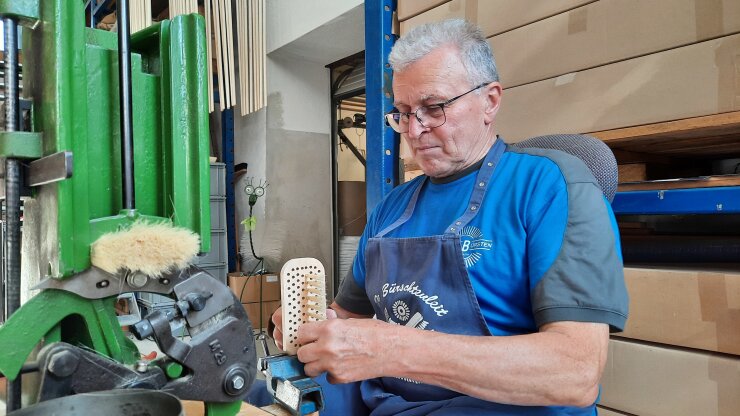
[(86, 175)]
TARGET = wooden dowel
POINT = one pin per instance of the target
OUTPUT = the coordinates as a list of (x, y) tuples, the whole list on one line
[(230, 37), (250, 59), (241, 21), (224, 54), (251, 56), (219, 70), (259, 55), (209, 54), (263, 55)]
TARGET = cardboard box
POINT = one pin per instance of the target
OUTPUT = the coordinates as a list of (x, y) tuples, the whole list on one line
[(607, 31), (351, 207), (449, 10), (253, 312), (644, 379), (645, 90), (410, 8), (686, 308), (247, 288), (493, 16)]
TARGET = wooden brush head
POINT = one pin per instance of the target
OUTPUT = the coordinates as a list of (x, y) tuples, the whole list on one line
[(303, 294)]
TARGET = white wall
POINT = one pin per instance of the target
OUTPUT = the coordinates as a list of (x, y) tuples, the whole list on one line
[(289, 20), (288, 143), (300, 92)]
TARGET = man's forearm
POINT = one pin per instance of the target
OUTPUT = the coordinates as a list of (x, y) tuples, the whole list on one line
[(561, 365)]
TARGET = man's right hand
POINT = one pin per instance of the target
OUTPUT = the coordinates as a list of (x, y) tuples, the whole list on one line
[(334, 311)]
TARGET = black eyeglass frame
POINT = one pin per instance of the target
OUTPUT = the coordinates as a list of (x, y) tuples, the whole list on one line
[(441, 106)]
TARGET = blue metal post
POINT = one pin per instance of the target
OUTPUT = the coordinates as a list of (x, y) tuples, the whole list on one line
[(227, 148), (381, 173)]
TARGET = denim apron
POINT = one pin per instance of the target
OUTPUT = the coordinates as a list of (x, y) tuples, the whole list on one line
[(422, 282)]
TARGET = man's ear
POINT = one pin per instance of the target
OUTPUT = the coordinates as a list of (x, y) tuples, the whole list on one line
[(492, 93)]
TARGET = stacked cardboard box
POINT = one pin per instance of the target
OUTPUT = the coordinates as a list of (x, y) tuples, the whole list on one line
[(679, 352), (581, 66), (578, 66), (259, 294)]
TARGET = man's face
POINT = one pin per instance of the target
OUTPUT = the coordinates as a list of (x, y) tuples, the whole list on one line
[(467, 133)]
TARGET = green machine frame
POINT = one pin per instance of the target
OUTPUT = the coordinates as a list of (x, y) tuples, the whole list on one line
[(70, 76)]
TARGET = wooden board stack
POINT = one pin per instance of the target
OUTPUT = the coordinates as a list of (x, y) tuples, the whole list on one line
[(251, 44), (140, 14), (235, 29)]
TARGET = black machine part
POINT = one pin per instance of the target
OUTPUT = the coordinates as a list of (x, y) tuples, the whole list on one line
[(13, 182), (220, 355), (219, 358), (66, 370), (134, 402)]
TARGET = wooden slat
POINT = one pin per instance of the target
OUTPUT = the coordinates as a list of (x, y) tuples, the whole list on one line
[(689, 183), (240, 22), (263, 59), (708, 136), (209, 53), (250, 57), (219, 53), (230, 41), (714, 125)]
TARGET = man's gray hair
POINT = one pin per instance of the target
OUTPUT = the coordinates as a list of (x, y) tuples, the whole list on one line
[(475, 51)]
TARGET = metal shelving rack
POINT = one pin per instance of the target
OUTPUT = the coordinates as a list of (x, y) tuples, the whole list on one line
[(381, 172)]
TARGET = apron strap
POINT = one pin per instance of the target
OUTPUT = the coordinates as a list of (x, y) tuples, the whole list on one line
[(479, 190), (407, 213), (484, 175)]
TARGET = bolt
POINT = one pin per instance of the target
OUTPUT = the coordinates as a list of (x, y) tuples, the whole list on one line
[(237, 382), (164, 281), (137, 279), (102, 284), (142, 329), (63, 363), (142, 366)]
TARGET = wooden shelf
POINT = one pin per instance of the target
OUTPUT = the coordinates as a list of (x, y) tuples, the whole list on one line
[(716, 136)]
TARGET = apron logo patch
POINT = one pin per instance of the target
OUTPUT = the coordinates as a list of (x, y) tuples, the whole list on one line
[(401, 310), (473, 244)]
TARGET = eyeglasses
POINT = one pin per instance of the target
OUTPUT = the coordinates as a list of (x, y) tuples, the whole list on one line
[(429, 116)]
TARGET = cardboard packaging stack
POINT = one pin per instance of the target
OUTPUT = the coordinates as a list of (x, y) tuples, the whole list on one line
[(259, 294), (585, 66)]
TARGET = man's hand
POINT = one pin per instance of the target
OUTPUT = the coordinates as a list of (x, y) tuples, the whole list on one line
[(334, 311), (347, 349)]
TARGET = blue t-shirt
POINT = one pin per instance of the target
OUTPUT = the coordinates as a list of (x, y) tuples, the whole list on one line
[(544, 246)]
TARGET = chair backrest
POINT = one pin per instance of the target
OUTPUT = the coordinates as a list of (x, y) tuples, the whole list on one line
[(594, 153)]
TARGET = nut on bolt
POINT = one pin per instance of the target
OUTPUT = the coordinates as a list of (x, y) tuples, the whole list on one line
[(235, 381)]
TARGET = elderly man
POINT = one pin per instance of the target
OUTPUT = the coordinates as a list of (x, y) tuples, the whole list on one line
[(494, 279)]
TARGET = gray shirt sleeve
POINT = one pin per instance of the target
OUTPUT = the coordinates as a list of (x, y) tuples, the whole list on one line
[(585, 283), (352, 297)]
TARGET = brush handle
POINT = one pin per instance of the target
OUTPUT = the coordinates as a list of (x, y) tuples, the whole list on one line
[(303, 295)]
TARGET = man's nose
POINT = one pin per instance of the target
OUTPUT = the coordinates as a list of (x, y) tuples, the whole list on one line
[(415, 127)]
